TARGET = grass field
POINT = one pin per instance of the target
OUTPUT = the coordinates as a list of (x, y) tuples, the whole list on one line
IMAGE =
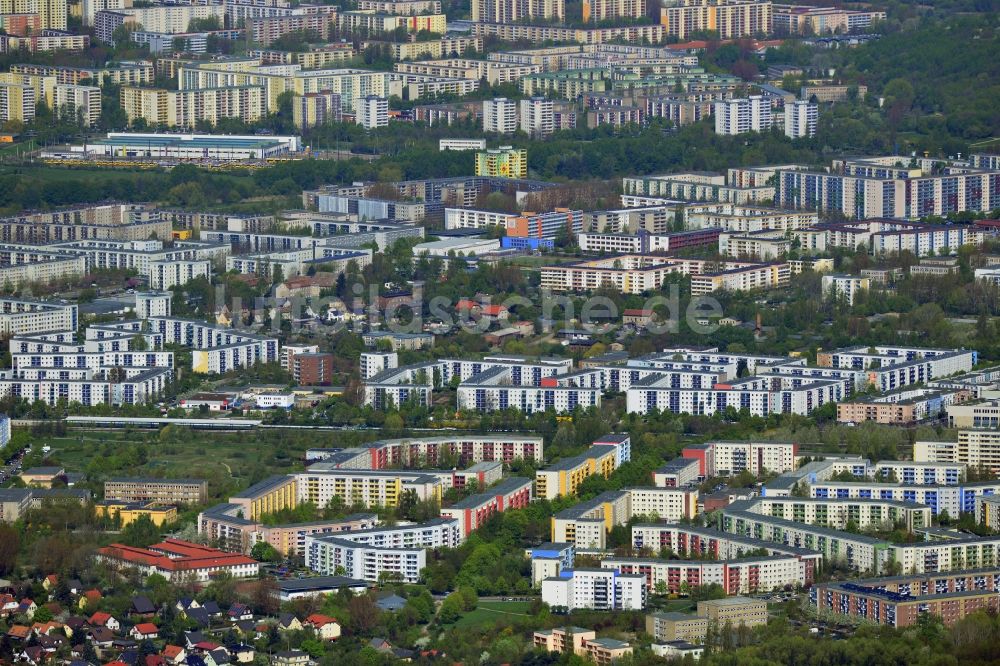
[(12, 149), (229, 461), (488, 612), (676, 605)]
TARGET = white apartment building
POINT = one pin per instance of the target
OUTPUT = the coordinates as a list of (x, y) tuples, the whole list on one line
[(762, 245), (500, 116), (91, 7), (760, 396), (368, 554), (990, 274), (288, 353), (462, 144), (801, 117), (537, 116), (494, 395), (471, 218), (746, 219), (588, 523), (953, 499), (921, 473), (665, 503), (731, 458), (735, 576), (372, 112), (848, 286), (676, 473), (20, 316), (595, 589), (226, 348), (86, 387), (152, 304), (83, 102), (170, 18), (166, 274), (746, 114), (373, 363)]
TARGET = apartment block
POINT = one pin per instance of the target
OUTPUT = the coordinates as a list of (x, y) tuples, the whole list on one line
[(52, 14), (564, 477), (806, 19), (169, 19), (185, 108), (503, 162), (843, 286), (587, 523), (159, 491), (517, 11), (838, 513), (537, 118), (373, 23), (17, 102), (676, 473), (514, 32), (316, 108), (606, 10), (399, 552), (731, 19), (988, 511), (734, 611), (124, 73), (22, 316), (985, 415), (472, 512), (974, 448), (900, 601), (875, 193), (595, 589), (738, 116), (801, 117), (739, 576), (82, 102)]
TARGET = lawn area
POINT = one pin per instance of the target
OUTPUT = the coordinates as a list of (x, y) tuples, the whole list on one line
[(675, 605), (19, 147), (229, 461), (488, 612)]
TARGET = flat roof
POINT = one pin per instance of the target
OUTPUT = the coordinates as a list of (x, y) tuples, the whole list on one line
[(318, 583)]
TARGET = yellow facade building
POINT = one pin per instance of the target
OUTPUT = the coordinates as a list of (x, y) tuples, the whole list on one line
[(312, 109), (52, 13), (504, 162), (730, 19), (564, 477), (130, 512), (17, 102), (44, 86), (268, 496)]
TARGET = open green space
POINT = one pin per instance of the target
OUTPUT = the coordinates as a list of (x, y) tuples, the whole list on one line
[(229, 461), (488, 612)]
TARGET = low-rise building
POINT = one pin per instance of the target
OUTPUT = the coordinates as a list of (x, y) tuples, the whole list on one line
[(734, 611), (160, 491), (178, 561), (129, 512)]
